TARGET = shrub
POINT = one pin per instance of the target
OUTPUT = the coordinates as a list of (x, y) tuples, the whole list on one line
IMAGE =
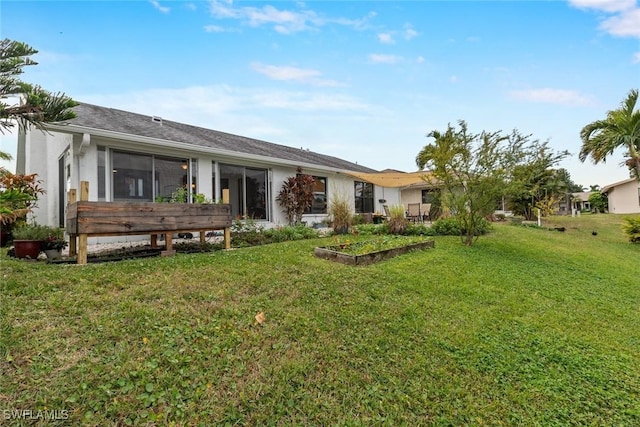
[(296, 196), (631, 228), (419, 230), (18, 196), (341, 214), (397, 222), (247, 232), (31, 232), (358, 219), (451, 227), (290, 232), (372, 229)]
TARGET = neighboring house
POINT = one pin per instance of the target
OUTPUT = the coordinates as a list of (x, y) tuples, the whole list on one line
[(623, 196), (134, 157), (412, 186), (580, 201)]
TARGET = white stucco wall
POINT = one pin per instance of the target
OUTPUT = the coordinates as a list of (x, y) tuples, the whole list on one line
[(624, 198), (49, 148), (44, 150)]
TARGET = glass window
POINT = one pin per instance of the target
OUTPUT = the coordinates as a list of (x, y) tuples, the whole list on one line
[(170, 177), (256, 193), (132, 176), (319, 202), (102, 162), (232, 179), (144, 177), (194, 177), (429, 195), (363, 195)]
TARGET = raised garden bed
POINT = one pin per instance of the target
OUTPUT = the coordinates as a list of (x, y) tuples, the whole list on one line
[(341, 253)]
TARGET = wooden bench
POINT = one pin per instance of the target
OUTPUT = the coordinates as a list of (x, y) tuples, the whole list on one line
[(93, 219)]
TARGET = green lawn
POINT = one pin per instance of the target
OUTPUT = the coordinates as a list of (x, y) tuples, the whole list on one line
[(527, 327)]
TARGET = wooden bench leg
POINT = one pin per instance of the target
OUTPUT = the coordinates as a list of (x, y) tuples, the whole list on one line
[(82, 249), (73, 247), (168, 237), (154, 241)]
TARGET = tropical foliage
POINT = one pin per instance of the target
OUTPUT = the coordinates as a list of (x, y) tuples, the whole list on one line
[(296, 196), (18, 195), (598, 201), (36, 106), (631, 229), (619, 130), (476, 171)]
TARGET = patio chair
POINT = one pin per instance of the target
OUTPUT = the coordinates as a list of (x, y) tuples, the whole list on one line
[(426, 211), (413, 212), (387, 214)]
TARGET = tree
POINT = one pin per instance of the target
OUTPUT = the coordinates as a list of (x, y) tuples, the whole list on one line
[(296, 195), (37, 106), (534, 183), (471, 170), (620, 129), (598, 201)]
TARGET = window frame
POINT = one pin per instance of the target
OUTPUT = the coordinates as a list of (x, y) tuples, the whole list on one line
[(360, 201)]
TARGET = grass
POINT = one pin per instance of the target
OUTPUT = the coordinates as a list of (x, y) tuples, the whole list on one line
[(371, 244), (527, 327)]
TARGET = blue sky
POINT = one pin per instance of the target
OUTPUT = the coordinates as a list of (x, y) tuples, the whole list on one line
[(362, 80)]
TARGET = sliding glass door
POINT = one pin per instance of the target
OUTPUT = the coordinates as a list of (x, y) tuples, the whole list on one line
[(247, 190)]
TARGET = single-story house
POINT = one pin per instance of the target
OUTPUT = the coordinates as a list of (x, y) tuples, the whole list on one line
[(127, 156), (623, 196), (580, 201)]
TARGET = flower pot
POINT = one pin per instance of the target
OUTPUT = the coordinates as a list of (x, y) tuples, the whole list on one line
[(27, 248), (53, 254), (5, 236)]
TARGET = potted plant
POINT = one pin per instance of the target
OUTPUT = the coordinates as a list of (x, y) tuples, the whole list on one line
[(27, 240), (54, 243)]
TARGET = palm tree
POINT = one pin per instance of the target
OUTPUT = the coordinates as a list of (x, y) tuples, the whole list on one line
[(621, 129)]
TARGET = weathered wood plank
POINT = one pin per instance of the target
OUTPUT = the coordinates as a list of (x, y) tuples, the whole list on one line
[(110, 209), (118, 218)]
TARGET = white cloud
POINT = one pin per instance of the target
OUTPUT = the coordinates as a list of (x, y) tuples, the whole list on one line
[(604, 5), (386, 38), (453, 79), (636, 58), (553, 96), (301, 75), (409, 32), (627, 24), (214, 29), (379, 58), (157, 5), (624, 19), (282, 21), (420, 59)]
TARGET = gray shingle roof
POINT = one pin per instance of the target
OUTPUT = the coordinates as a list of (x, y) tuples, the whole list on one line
[(103, 118)]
